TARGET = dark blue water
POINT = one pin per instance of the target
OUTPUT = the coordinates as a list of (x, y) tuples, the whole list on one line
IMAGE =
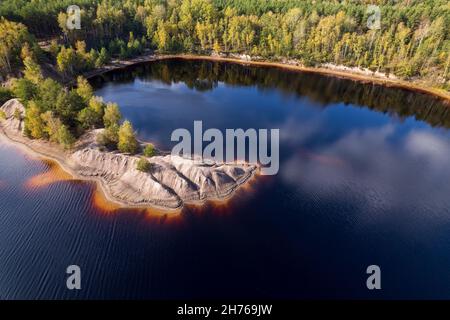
[(363, 180)]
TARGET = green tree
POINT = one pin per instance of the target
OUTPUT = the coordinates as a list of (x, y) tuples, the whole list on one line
[(5, 95), (24, 89), (13, 36), (32, 70), (143, 165), (52, 126), (87, 118), (27, 52), (33, 121), (84, 89), (103, 58), (47, 94), (67, 60), (54, 48), (68, 105), (92, 115), (112, 115), (65, 137), (127, 139), (109, 137), (149, 150), (74, 61)]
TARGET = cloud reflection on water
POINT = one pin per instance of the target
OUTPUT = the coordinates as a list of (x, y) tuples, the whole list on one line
[(379, 170)]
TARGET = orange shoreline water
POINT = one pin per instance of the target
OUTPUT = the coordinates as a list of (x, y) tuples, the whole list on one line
[(101, 203), (222, 206), (53, 175), (56, 173)]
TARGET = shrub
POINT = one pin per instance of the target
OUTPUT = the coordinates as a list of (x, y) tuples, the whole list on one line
[(92, 115), (112, 115), (102, 58), (17, 114), (34, 124), (143, 165), (24, 89), (149, 150), (52, 125), (66, 139), (84, 89), (109, 137), (32, 71), (87, 118), (5, 95), (127, 139)]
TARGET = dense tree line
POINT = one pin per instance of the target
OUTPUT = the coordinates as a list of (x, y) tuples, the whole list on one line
[(14, 39), (414, 39), (413, 42), (60, 115), (39, 16)]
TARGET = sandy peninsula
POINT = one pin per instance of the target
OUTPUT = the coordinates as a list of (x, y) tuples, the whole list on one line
[(171, 182)]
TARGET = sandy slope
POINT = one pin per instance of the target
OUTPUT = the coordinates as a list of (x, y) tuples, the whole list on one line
[(171, 182)]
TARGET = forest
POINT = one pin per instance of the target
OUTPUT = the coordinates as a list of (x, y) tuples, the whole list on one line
[(413, 39), (412, 42), (61, 115)]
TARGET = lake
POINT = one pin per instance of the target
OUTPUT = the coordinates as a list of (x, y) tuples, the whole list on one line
[(363, 180)]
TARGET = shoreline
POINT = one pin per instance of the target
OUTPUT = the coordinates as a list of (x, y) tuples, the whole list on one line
[(28, 149), (60, 156), (362, 78), (45, 150)]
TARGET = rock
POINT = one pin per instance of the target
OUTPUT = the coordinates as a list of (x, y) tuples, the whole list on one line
[(9, 108)]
